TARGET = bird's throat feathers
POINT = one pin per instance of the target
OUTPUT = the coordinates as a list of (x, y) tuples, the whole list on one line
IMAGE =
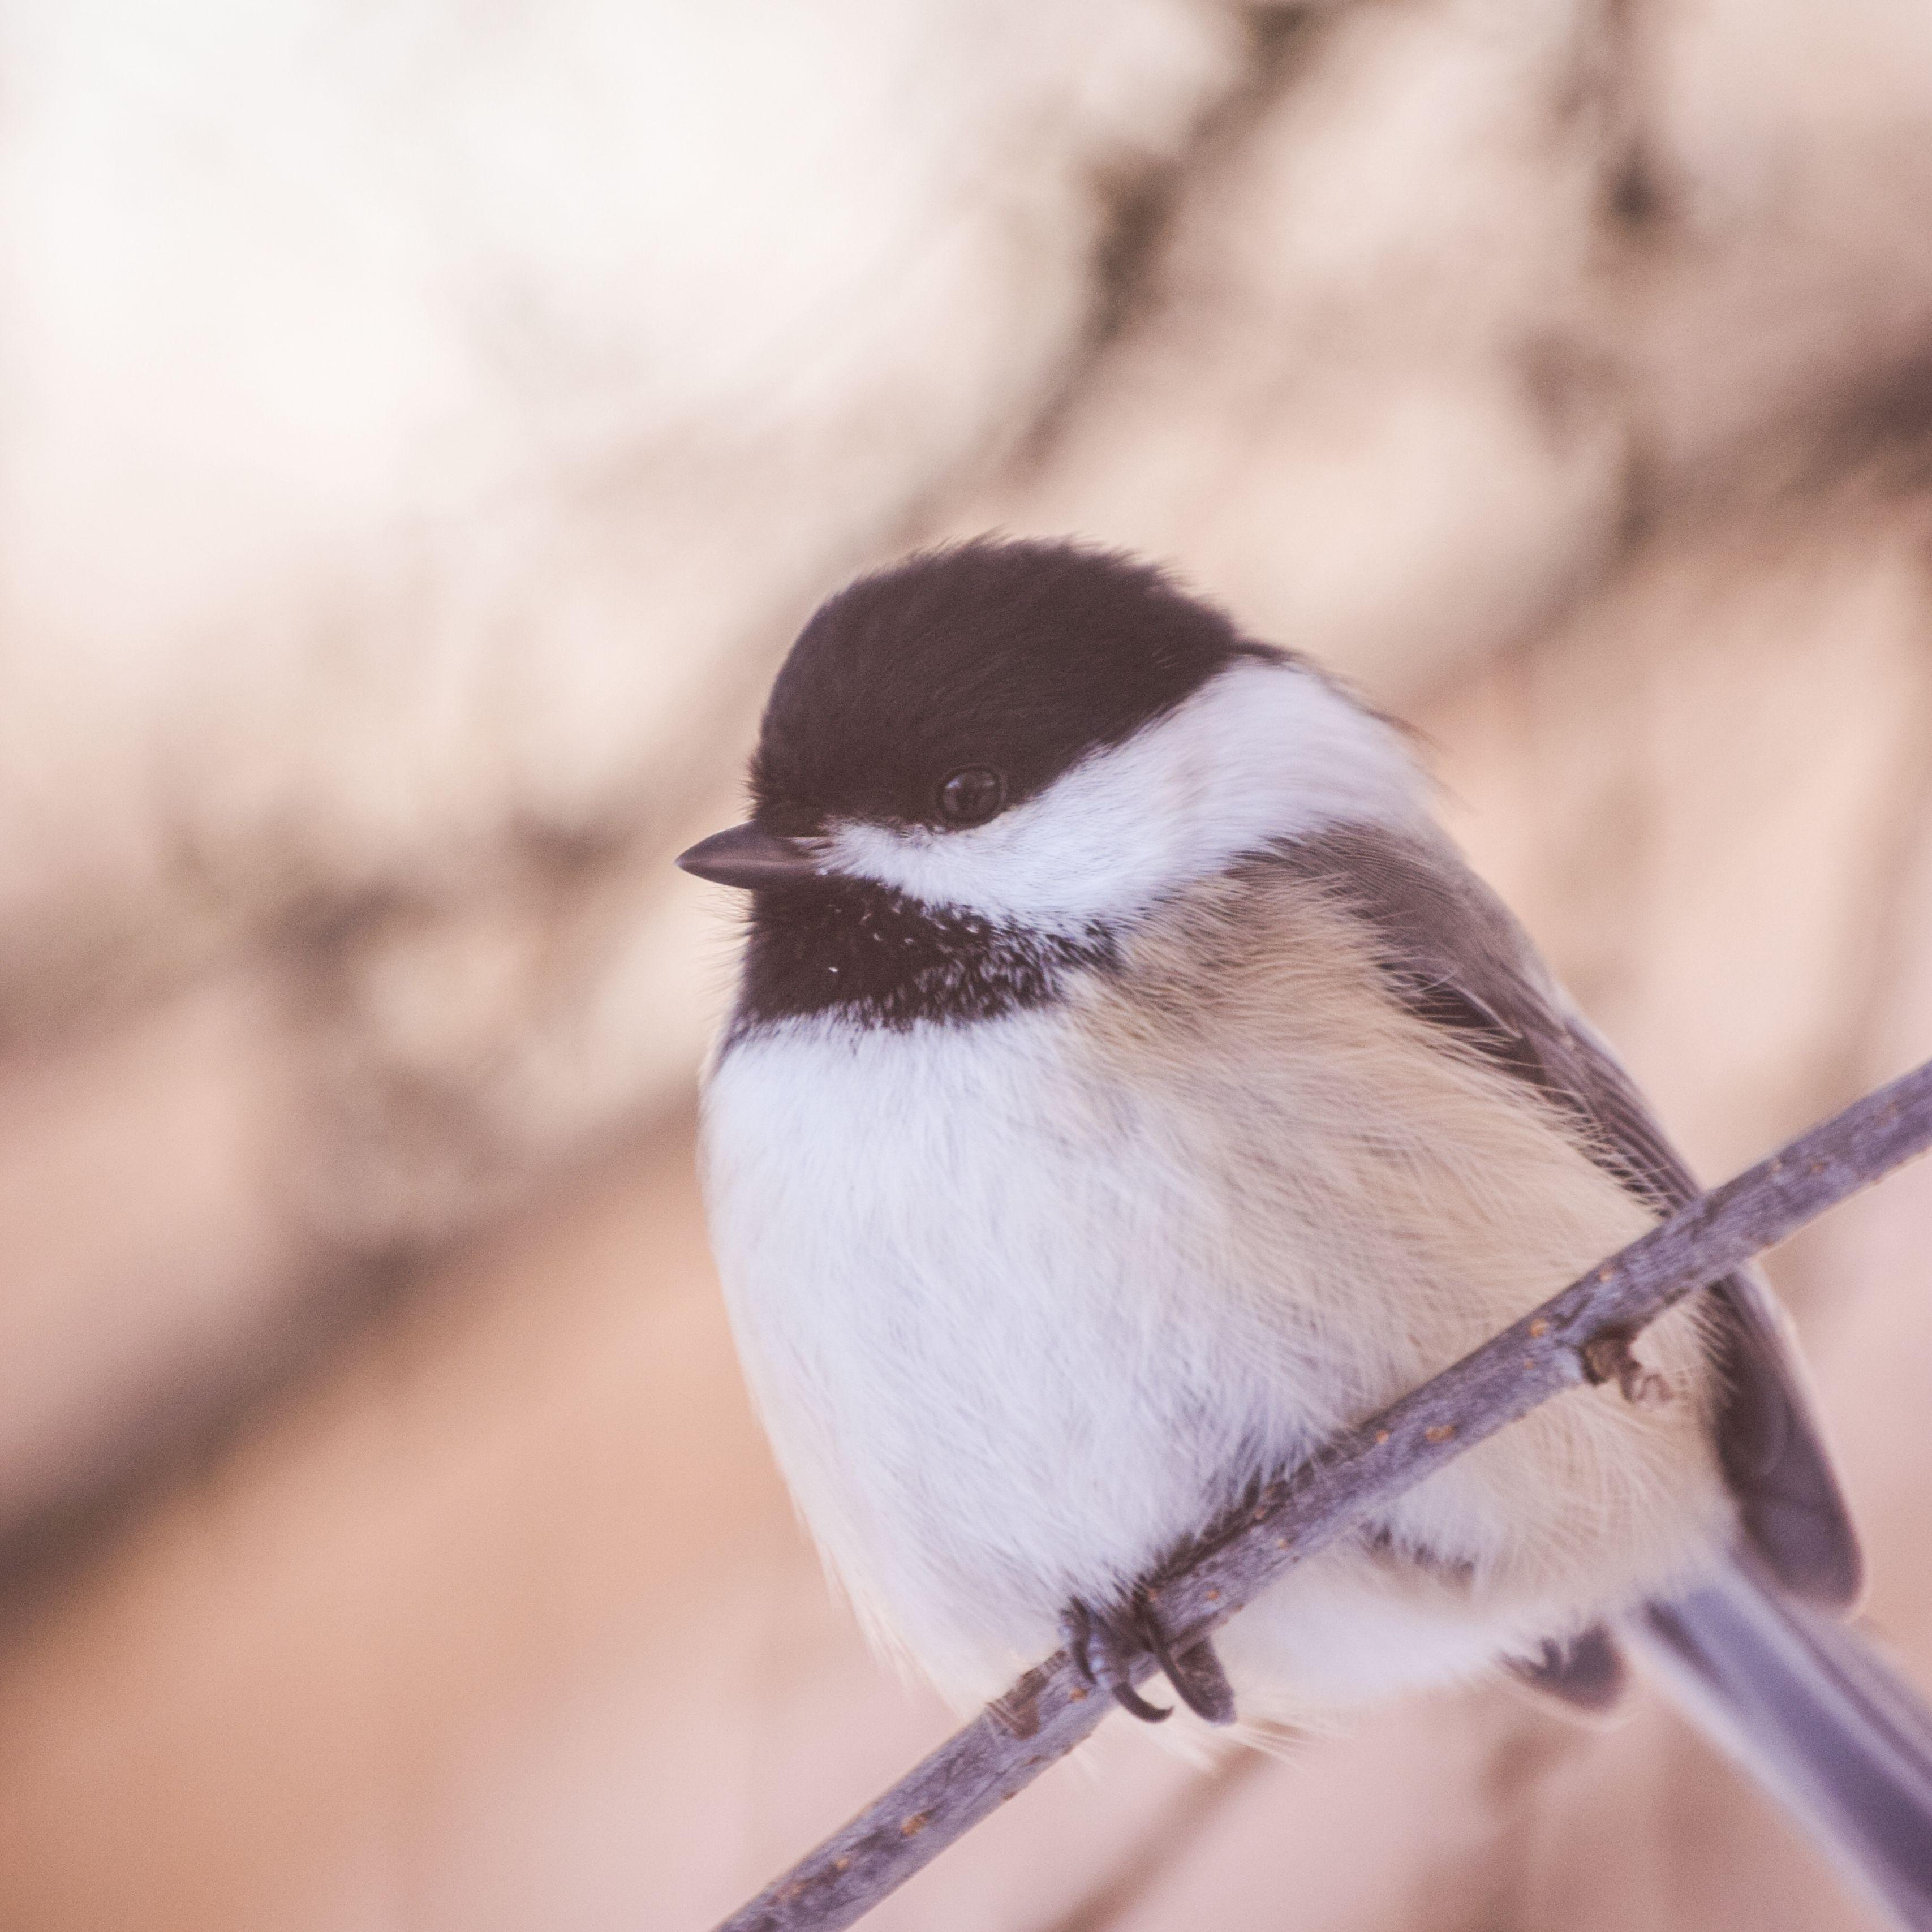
[(877, 957)]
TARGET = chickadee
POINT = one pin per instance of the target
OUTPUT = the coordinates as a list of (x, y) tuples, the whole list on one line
[(1129, 1088)]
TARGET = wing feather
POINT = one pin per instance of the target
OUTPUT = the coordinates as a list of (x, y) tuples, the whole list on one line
[(1456, 957)]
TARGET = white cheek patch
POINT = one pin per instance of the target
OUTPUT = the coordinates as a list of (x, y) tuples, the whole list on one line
[(1265, 751)]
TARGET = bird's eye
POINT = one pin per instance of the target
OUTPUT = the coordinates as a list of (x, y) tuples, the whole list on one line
[(971, 796)]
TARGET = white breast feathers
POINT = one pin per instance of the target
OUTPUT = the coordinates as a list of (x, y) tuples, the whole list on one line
[(1025, 1302)]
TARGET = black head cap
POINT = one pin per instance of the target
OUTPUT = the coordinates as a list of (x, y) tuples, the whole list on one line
[(1014, 658)]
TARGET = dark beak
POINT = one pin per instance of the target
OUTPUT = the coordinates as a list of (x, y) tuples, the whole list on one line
[(749, 857)]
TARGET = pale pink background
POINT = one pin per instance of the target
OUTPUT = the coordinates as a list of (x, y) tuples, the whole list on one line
[(424, 428)]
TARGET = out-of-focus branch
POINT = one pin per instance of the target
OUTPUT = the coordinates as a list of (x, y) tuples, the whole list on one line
[(1580, 1336)]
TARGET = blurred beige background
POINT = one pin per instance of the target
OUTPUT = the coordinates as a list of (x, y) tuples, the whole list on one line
[(425, 427)]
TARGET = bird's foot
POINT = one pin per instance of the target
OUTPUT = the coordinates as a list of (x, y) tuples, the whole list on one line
[(1104, 1645)]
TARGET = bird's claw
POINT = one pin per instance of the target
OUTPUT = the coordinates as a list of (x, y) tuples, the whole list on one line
[(1103, 1646)]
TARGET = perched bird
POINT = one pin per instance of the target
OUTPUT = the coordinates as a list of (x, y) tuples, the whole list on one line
[(1128, 1088)]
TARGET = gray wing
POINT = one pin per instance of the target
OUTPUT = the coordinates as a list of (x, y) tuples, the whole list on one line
[(1456, 957)]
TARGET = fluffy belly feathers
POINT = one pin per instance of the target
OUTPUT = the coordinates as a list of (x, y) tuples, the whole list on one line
[(1023, 1304)]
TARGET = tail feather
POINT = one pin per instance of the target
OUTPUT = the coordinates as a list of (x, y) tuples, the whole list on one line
[(1810, 1708)]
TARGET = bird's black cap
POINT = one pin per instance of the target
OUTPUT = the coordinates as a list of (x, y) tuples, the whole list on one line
[(1020, 656)]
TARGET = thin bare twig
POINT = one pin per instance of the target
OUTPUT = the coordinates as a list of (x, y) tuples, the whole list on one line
[(1049, 1711)]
